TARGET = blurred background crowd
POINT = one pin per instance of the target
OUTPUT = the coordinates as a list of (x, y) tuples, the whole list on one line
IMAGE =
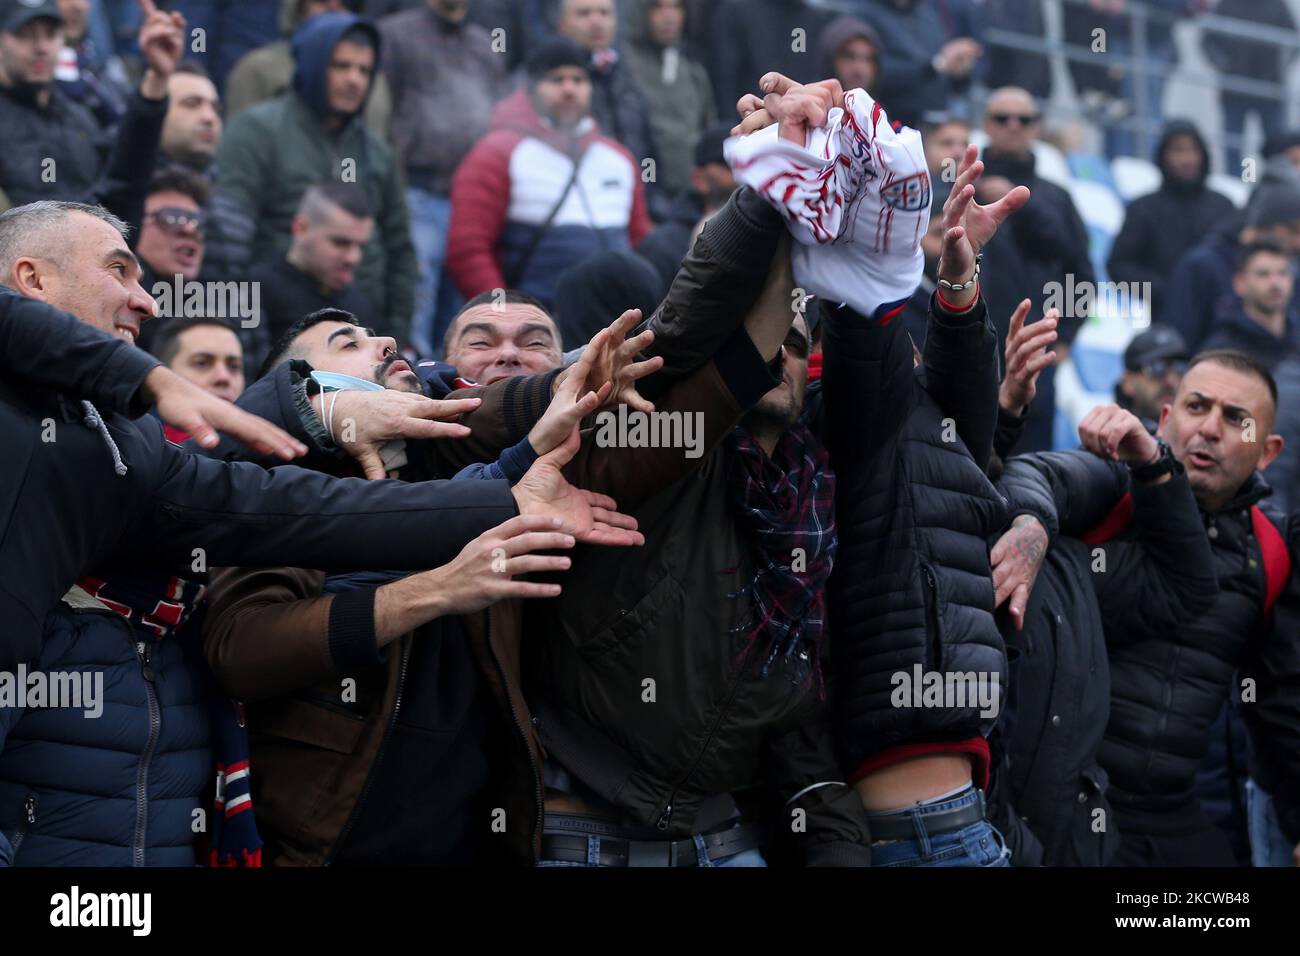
[(400, 164)]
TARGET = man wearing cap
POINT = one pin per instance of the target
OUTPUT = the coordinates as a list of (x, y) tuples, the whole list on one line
[(1154, 362), (54, 147), (544, 188)]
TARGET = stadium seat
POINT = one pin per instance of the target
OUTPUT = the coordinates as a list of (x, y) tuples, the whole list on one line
[(1134, 177), (1090, 167), (1098, 205)]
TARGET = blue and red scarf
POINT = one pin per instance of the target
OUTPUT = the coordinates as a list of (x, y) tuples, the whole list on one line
[(785, 504), (158, 607)]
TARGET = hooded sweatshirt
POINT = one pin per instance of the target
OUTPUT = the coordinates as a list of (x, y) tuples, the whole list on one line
[(268, 71), (1161, 227), (273, 151), (839, 32), (506, 188), (679, 95)]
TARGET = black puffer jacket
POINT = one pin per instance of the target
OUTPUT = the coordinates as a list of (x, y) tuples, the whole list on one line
[(912, 583), (1168, 682), (1060, 700), (1272, 720)]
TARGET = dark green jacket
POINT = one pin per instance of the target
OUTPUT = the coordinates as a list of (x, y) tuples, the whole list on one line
[(273, 151)]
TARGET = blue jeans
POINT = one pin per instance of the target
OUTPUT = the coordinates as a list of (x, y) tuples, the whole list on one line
[(979, 844), (430, 223), (1268, 844)]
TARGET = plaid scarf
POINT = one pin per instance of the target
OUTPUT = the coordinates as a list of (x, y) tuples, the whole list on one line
[(786, 505), (171, 604)]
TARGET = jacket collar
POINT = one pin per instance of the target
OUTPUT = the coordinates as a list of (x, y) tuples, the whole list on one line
[(1255, 490)]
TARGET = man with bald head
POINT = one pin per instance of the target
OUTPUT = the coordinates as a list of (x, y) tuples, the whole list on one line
[(1168, 684), (1047, 235)]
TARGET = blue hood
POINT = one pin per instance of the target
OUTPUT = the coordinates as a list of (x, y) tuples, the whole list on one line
[(313, 44)]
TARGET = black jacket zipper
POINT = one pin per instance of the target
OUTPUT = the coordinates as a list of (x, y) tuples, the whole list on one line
[(29, 820), (666, 814), (934, 639), (144, 650), (383, 744)]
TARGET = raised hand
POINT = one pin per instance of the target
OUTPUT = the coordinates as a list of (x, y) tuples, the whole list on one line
[(795, 107), (570, 405), (968, 226), (1027, 355), (362, 422), (1109, 431), (610, 358), (162, 43), (589, 517), (184, 405)]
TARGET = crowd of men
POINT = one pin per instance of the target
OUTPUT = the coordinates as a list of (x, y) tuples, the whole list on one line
[(852, 610)]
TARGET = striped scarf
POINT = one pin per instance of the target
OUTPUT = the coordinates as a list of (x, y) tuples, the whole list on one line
[(785, 504), (158, 607)]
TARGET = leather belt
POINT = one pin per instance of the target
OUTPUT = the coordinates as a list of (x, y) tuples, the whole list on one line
[(614, 850), (902, 825)]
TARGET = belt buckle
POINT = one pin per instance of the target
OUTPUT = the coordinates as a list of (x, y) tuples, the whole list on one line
[(642, 853)]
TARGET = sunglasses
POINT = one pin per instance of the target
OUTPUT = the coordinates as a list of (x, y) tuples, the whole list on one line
[(175, 220), (1024, 119), (1162, 367)]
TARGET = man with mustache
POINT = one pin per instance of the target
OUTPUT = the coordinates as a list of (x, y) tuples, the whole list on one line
[(110, 530), (1168, 685)]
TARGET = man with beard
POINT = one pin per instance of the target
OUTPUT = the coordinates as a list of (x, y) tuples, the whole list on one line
[(54, 146), (675, 693), (284, 639), (1259, 320), (191, 134), (1168, 685), (545, 187), (290, 642), (110, 531), (1049, 239), (274, 151)]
